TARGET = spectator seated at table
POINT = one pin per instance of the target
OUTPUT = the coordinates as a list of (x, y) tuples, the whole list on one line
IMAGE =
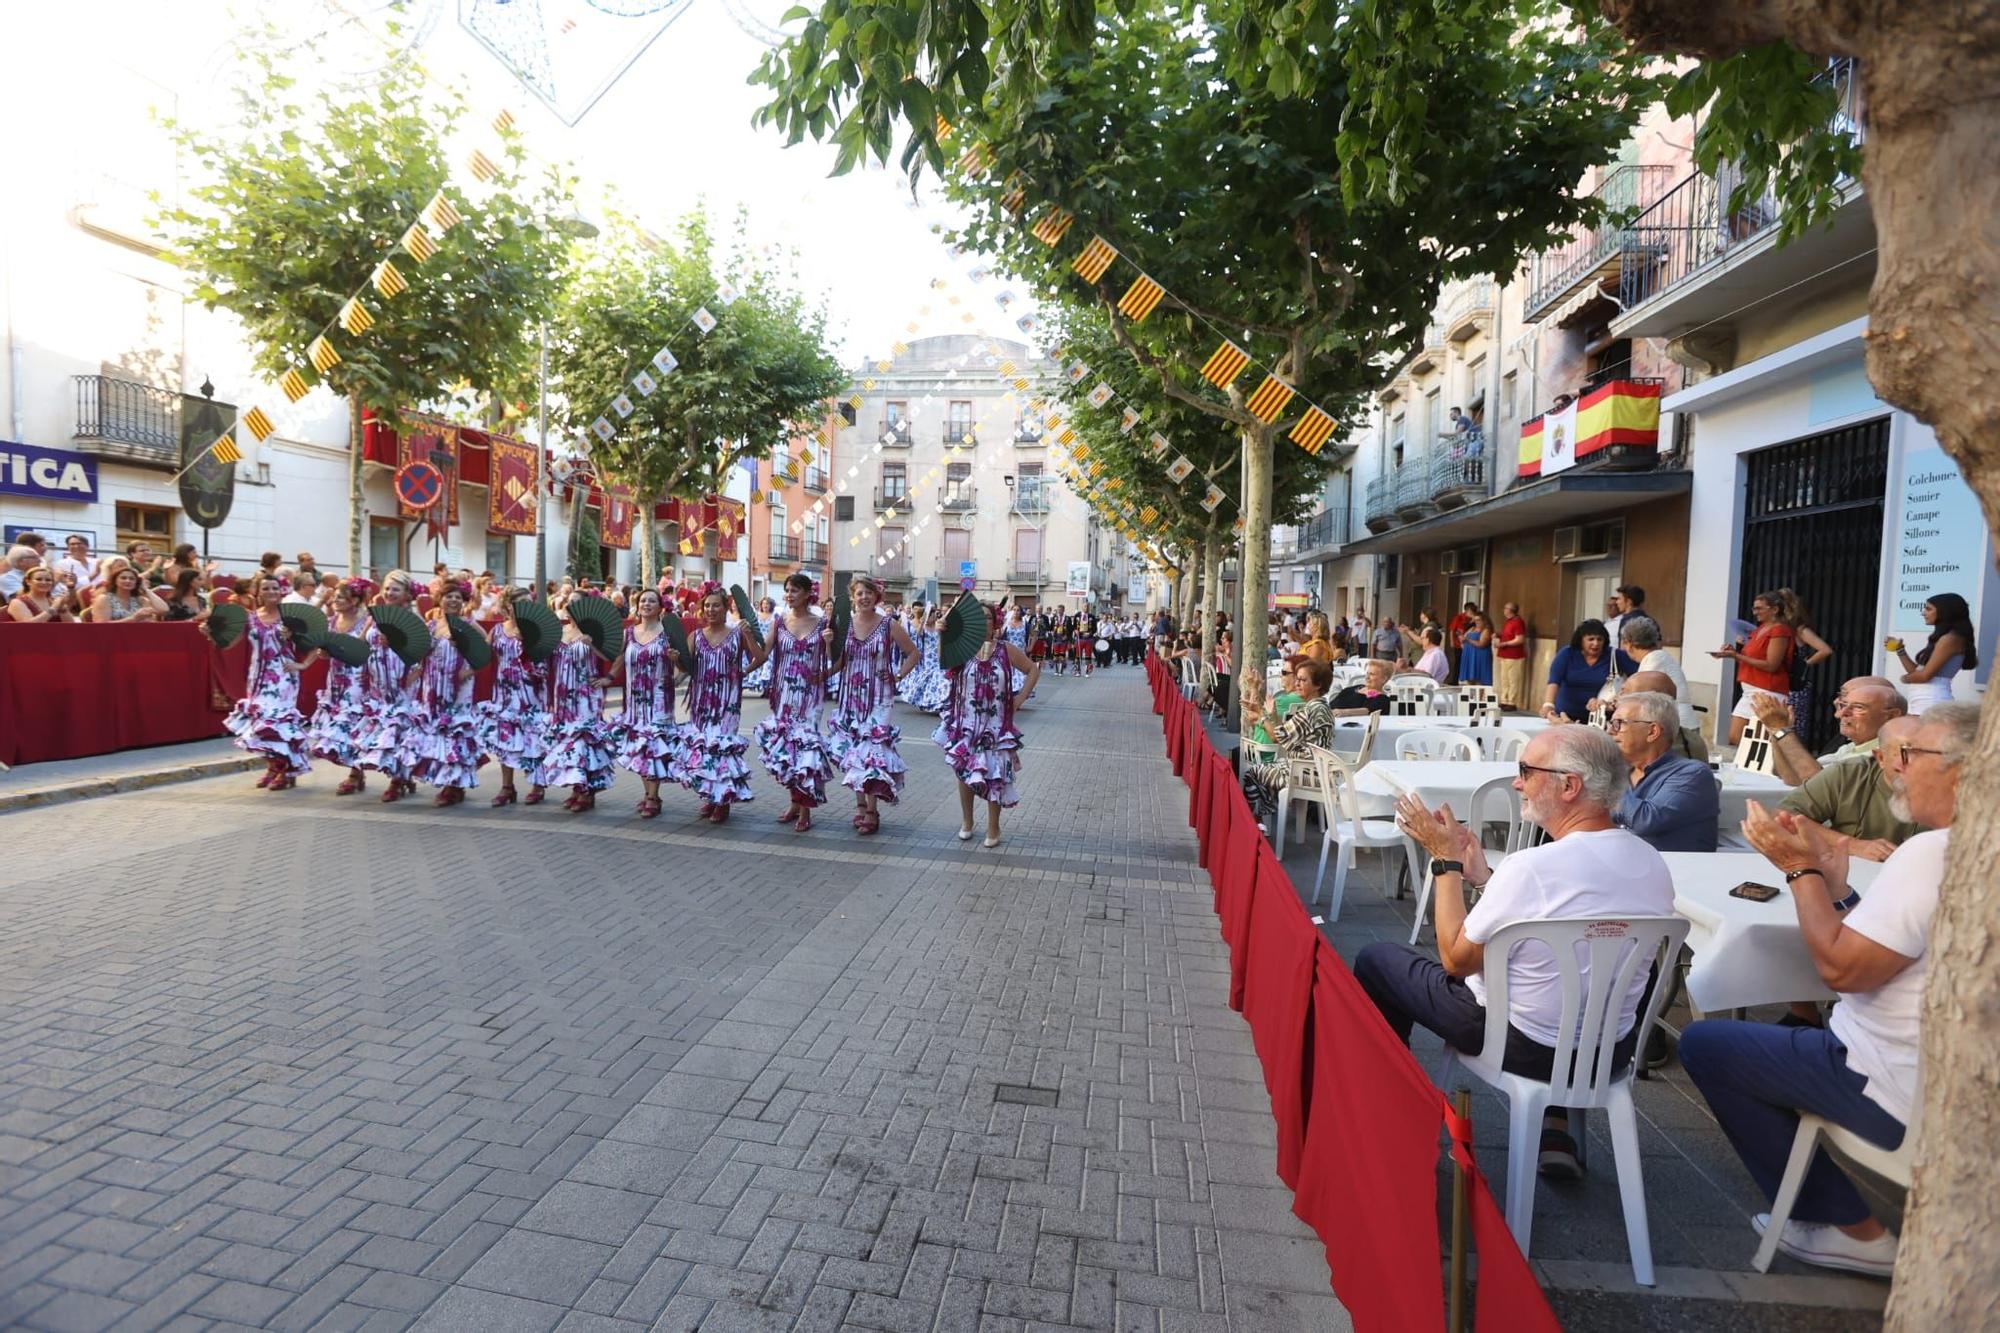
[(1571, 779), (1432, 661), (1862, 706), (1371, 696), (1670, 800), (1689, 740), (1253, 700), (1639, 635), (1579, 672), (1861, 1071), (1855, 799), (1309, 723)]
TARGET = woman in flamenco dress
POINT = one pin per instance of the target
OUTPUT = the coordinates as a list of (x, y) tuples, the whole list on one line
[(336, 722), (579, 755), (717, 767), (514, 723), (645, 735), (266, 720), (449, 745), (794, 749), (389, 714), (977, 732), (862, 737)]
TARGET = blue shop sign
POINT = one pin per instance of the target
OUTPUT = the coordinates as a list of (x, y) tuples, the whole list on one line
[(47, 474)]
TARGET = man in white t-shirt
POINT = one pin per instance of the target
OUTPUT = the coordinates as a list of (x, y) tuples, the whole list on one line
[(1860, 1072), (1571, 779)]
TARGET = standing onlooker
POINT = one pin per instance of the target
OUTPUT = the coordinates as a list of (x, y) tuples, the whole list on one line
[(1860, 1072), (1455, 640), (1579, 672), (304, 587), (1764, 663), (1949, 650), (1628, 599), (1475, 651), (1386, 642), (306, 565), (1510, 657), (1225, 643), (77, 566), (1808, 651), (1639, 636)]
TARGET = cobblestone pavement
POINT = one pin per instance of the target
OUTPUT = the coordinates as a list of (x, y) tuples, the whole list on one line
[(294, 1062)]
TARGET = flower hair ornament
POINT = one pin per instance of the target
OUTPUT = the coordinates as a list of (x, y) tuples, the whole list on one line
[(359, 589), (709, 588)]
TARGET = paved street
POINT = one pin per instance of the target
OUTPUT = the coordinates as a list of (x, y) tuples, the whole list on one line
[(300, 1062)]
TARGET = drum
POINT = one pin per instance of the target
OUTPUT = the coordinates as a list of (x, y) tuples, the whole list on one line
[(1104, 645)]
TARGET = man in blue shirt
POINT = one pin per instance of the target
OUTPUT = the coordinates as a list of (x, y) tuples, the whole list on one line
[(1672, 801)]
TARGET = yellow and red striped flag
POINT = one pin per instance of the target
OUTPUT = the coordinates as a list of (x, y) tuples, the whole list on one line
[(481, 166), (1015, 198), (1095, 258), (417, 243), (1140, 298), (226, 451), (1270, 399), (1225, 364), (322, 354), (1054, 225), (294, 384), (1148, 515), (1312, 431), (504, 121), (354, 317), (441, 213), (258, 424), (975, 160), (944, 128), (388, 279)]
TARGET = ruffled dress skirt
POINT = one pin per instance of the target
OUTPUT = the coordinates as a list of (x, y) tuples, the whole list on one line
[(796, 757), (514, 734), (333, 732), (716, 763), (866, 755), (450, 747), (983, 760), (386, 738), (655, 750), (270, 728), (580, 754)]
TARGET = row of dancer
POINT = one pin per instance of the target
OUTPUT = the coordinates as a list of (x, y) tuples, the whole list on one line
[(416, 722)]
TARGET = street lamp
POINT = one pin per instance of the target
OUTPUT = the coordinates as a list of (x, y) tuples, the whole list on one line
[(578, 228)]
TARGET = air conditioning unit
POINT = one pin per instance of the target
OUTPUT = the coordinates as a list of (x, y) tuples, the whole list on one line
[(1569, 542), (1448, 563), (1594, 542)]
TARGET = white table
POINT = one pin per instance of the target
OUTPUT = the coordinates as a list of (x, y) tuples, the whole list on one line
[(1392, 727), (1740, 786), (1745, 952), (1437, 781)]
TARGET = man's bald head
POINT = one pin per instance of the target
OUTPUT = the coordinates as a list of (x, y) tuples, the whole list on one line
[(1650, 682)]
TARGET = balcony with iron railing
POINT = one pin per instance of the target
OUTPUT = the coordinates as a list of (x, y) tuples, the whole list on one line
[(1026, 571), (1031, 497), (1701, 229), (894, 565), (1378, 513), (1028, 435), (1458, 469), (815, 478), (895, 434), (1429, 354), (1467, 309), (133, 422), (892, 497), (1413, 491), (1324, 532), (961, 433), (1600, 251), (784, 549), (815, 551), (959, 497)]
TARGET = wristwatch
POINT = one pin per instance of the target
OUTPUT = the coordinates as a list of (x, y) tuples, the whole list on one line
[(1780, 734), (1447, 868)]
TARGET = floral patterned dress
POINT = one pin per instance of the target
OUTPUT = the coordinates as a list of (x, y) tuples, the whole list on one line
[(926, 687), (649, 741), (1016, 632), (390, 718), (977, 731), (448, 741), (266, 720), (717, 767), (335, 729), (514, 723), (862, 738), (795, 753), (579, 753)]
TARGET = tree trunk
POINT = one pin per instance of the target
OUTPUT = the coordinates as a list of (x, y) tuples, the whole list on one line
[(1932, 172), (1189, 590), (1254, 564), (1211, 585), (357, 507), (649, 574)]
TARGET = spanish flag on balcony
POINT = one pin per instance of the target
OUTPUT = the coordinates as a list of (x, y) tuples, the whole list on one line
[(1225, 364), (1622, 412)]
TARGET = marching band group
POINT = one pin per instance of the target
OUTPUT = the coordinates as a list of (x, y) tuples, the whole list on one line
[(405, 711)]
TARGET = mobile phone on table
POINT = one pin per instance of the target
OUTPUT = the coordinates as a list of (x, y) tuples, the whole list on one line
[(1756, 893)]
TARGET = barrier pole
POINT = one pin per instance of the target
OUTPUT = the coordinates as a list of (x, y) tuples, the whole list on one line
[(1455, 1318)]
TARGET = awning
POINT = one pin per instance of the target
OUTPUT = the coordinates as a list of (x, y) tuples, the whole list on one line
[(1567, 497)]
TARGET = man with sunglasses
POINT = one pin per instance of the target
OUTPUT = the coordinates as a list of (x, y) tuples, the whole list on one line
[(1860, 1072), (1671, 801), (1570, 779)]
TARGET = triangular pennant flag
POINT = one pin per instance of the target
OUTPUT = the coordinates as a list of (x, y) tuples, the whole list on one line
[(1270, 399), (1312, 431), (258, 424), (645, 384), (1128, 421), (294, 385), (1140, 298), (441, 213), (417, 243), (604, 429), (322, 355), (622, 406), (1156, 446), (354, 317), (1094, 259), (1178, 471), (1100, 395), (388, 279), (726, 294), (1211, 498), (1225, 364)]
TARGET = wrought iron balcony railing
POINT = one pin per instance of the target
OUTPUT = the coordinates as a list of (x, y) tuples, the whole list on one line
[(1379, 509), (1413, 490), (815, 479), (1027, 434), (960, 432), (895, 434), (785, 549), (892, 497), (1625, 191), (1458, 469), (960, 497), (815, 551), (126, 419)]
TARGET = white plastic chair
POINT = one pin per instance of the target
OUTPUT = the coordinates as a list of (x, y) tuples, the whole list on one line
[(1755, 753), (1436, 743), (1479, 814), (1190, 681), (1302, 784), (1348, 829), (1618, 951), (1891, 1164), (1501, 745), (1206, 682), (1364, 749), (1475, 700), (1411, 695)]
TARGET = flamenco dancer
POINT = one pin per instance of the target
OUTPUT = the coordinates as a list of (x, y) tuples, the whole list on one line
[(647, 739), (862, 738), (977, 731), (579, 750), (759, 681), (336, 722), (795, 753), (515, 721), (715, 746), (389, 716), (447, 742), (266, 719), (1015, 636)]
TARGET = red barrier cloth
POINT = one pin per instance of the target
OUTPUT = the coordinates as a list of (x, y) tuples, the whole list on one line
[(1277, 1004), (1508, 1296), (1368, 1179), (1176, 734), (1199, 781), (1237, 911), (72, 690), (1223, 800), (1239, 870)]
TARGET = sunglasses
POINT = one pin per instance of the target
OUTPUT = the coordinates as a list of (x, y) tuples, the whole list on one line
[(1527, 768)]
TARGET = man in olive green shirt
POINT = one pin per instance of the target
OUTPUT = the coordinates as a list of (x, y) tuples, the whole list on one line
[(1851, 797)]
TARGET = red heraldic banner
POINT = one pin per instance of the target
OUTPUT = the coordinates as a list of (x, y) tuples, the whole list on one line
[(514, 479), (618, 513), (428, 442)]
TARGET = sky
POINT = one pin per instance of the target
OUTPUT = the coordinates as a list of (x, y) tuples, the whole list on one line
[(673, 132)]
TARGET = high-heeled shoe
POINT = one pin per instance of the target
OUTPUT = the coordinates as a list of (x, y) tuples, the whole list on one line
[(536, 795), (393, 792), (791, 813), (505, 796), (354, 782), (448, 796), (805, 821), (721, 815), (270, 774), (649, 806), (283, 782), (575, 799)]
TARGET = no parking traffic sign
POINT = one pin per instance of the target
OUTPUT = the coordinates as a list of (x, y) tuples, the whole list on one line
[(419, 485)]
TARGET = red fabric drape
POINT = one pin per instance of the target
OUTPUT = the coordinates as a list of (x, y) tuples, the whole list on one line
[(1277, 1004), (1368, 1178), (1508, 1297)]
